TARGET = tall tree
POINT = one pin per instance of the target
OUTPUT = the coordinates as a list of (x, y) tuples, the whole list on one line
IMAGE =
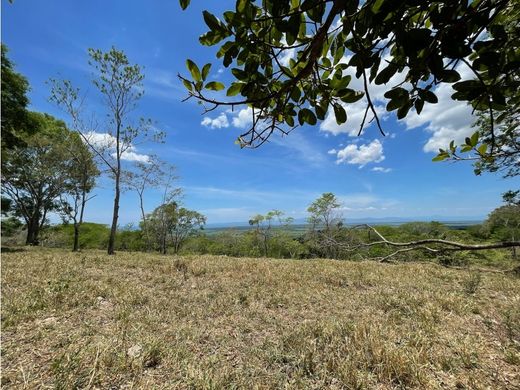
[(293, 61), (35, 174), (81, 176), (15, 118), (121, 86)]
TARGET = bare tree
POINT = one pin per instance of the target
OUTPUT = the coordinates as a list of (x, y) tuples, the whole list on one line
[(82, 179), (148, 175), (161, 223), (120, 85)]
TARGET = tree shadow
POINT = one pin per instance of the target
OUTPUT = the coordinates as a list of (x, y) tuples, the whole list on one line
[(7, 249)]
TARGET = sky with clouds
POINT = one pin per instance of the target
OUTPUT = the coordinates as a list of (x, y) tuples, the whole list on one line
[(374, 176)]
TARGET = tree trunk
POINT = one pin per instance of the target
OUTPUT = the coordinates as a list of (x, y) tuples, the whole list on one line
[(76, 238), (145, 226), (77, 224), (33, 230), (163, 244), (113, 229)]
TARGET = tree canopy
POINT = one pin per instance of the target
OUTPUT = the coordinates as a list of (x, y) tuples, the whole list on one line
[(292, 61), (15, 117), (38, 172)]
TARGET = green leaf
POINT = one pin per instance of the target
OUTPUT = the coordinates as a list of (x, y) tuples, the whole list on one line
[(377, 6), (428, 96), (188, 85), (386, 74), (194, 70), (234, 89), (340, 114), (212, 22), (396, 93), (474, 139), (215, 86), (482, 149), (348, 95), (205, 71), (306, 115), (440, 157), (419, 104), (184, 4)]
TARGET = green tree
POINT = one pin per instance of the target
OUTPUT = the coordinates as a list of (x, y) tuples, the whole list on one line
[(325, 222), (263, 227), (328, 42), (121, 86), (504, 223), (15, 117), (172, 225), (511, 197), (35, 174)]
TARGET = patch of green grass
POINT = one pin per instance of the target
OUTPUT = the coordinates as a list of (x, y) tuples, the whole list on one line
[(135, 320)]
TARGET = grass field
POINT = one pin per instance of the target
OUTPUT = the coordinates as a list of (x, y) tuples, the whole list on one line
[(142, 321)]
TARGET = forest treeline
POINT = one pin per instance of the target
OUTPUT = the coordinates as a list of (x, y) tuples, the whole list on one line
[(325, 236)]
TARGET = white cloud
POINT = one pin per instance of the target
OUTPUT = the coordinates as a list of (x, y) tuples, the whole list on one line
[(107, 142), (128, 155), (381, 169), (361, 155), (244, 118), (286, 56), (216, 123), (356, 111), (447, 120), (100, 140)]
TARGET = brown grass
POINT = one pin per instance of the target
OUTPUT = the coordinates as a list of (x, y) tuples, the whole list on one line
[(145, 321)]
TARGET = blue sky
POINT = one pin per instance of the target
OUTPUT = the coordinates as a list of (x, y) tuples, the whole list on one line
[(374, 176)]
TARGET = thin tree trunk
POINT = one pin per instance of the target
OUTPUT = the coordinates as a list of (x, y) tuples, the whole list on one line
[(77, 224), (115, 215), (145, 226), (163, 250), (76, 237)]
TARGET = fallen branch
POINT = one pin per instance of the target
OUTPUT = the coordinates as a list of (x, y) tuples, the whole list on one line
[(440, 246), (452, 245)]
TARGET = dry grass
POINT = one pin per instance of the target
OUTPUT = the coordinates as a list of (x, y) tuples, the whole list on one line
[(151, 322)]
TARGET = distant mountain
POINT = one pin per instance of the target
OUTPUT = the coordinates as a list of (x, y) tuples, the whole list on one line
[(375, 221)]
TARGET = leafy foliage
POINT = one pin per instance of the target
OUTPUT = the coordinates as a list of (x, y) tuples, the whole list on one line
[(172, 225), (264, 231), (36, 174), (495, 146), (15, 118), (294, 60)]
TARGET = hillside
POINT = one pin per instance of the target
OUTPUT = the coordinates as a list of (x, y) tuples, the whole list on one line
[(87, 320)]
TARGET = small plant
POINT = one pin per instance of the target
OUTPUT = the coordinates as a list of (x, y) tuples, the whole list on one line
[(181, 266), (472, 283), (152, 355)]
